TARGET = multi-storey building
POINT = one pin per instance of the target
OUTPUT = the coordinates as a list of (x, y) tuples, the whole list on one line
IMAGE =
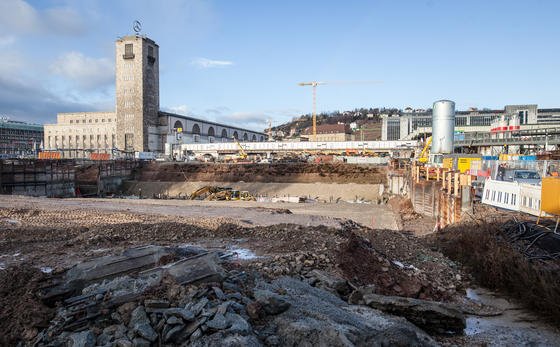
[(329, 133), (410, 124), (19, 138)]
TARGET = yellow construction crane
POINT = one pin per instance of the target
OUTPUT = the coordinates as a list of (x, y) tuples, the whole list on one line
[(314, 85), (242, 153), (424, 155)]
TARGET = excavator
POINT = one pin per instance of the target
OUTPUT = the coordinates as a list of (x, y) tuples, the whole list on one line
[(220, 193), (425, 154)]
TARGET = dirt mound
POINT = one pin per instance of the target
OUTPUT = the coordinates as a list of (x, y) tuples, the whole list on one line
[(22, 314), (514, 265), (271, 173), (364, 264)]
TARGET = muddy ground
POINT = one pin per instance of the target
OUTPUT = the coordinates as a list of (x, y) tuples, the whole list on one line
[(41, 238)]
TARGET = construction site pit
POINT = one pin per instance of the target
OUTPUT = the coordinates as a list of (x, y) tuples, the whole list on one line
[(120, 272)]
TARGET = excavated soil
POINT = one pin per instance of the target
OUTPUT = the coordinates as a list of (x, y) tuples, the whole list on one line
[(268, 173), (517, 268), (417, 273), (22, 313), (54, 240)]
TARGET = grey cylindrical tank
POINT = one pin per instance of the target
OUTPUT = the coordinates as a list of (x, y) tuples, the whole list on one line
[(443, 126)]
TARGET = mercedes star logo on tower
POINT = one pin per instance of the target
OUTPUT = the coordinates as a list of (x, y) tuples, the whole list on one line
[(137, 26)]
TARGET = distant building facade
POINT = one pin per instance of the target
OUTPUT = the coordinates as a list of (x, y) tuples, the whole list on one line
[(19, 138), (329, 133), (137, 124), (412, 123)]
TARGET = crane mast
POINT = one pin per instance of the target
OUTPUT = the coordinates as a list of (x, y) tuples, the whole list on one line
[(314, 85)]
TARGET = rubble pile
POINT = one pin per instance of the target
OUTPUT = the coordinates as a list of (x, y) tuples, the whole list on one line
[(363, 264), (193, 285), (196, 301)]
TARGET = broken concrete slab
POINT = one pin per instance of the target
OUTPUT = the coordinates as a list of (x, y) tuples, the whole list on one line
[(330, 282), (82, 274), (196, 269), (318, 317), (434, 317)]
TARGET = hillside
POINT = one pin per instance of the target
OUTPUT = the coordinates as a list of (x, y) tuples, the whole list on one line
[(366, 119)]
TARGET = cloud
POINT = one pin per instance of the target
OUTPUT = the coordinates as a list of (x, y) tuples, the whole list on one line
[(180, 109), (205, 63), (23, 99), (28, 96), (7, 40), (85, 72), (246, 117), (19, 17), (219, 110)]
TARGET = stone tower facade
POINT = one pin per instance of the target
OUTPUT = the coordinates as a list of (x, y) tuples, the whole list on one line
[(137, 94)]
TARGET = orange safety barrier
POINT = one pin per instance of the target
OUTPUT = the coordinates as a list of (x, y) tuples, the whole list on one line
[(100, 156), (49, 155)]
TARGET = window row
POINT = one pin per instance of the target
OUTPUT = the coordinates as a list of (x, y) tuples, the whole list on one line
[(109, 120), (72, 142)]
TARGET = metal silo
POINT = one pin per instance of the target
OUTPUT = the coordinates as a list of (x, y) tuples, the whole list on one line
[(443, 126)]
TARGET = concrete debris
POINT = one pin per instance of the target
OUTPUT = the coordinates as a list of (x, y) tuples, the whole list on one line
[(434, 317), (233, 310), (319, 318), (82, 339)]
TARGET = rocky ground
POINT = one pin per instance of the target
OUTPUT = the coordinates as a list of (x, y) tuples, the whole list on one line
[(86, 277)]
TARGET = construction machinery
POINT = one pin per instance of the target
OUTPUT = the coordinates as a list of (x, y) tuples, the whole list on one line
[(425, 154), (242, 154), (202, 193), (314, 85), (213, 193)]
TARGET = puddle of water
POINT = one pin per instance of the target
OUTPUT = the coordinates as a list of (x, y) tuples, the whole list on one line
[(11, 221), (514, 319), (46, 269), (2, 266), (244, 254)]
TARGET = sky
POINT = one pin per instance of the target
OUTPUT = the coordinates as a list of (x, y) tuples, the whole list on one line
[(240, 61)]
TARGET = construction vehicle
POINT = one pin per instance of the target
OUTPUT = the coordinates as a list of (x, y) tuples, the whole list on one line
[(229, 194), (214, 193), (203, 192), (425, 154), (242, 154)]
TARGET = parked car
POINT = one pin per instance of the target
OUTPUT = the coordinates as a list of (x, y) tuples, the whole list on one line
[(523, 176)]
